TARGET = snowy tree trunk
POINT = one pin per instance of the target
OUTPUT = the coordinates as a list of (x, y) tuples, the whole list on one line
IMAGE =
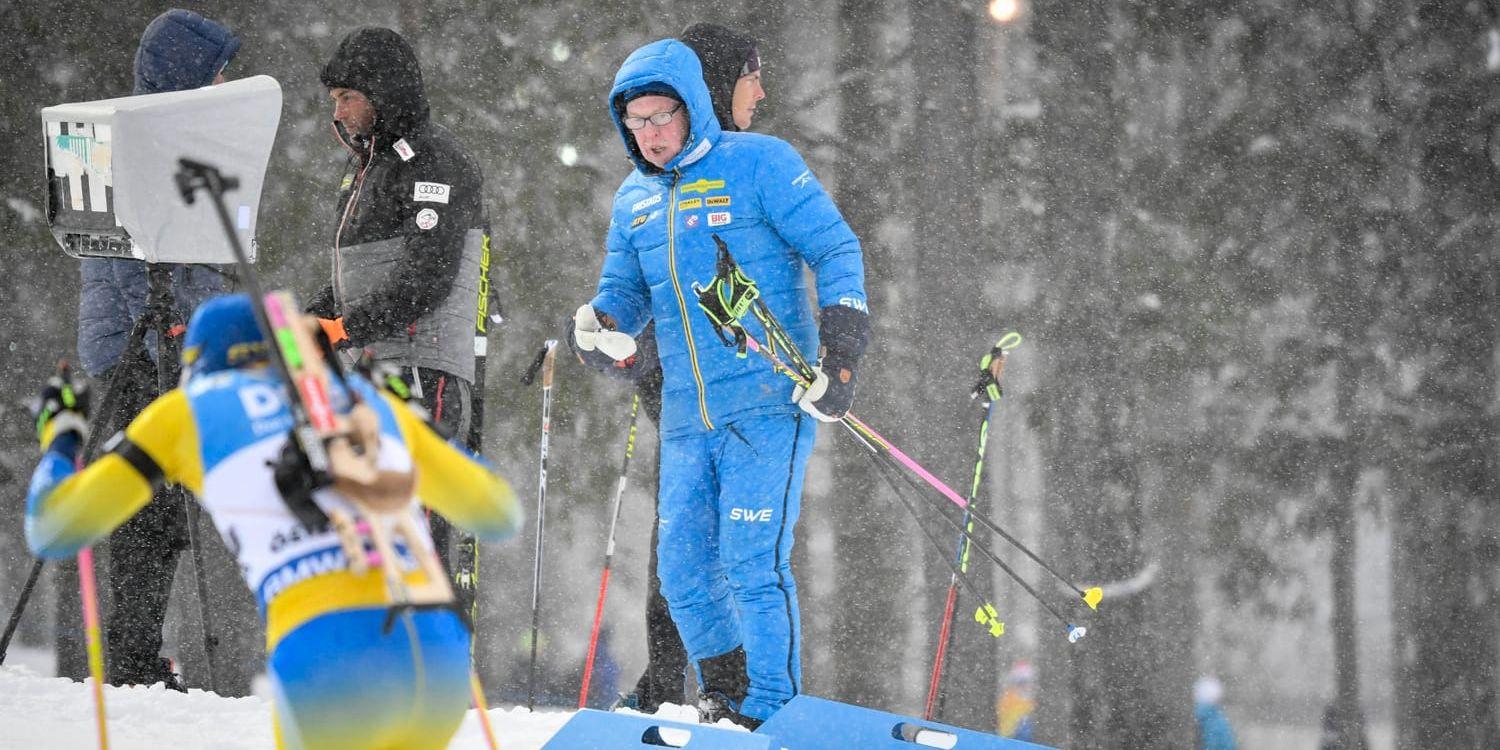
[(870, 581), (1121, 686), (955, 262), (1447, 631)]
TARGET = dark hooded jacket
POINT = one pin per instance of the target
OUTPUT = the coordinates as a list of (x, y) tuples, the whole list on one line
[(411, 232), (722, 53), (179, 50)]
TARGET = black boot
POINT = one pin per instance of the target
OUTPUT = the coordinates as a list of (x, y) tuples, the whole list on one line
[(724, 683), (158, 670)]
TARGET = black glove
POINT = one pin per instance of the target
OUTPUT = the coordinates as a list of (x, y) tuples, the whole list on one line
[(643, 361), (594, 357), (844, 332), (63, 406), (297, 481), (322, 304)]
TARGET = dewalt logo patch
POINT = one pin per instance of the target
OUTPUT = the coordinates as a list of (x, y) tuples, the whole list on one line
[(717, 201)]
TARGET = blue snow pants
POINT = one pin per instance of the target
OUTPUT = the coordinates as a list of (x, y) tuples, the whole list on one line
[(728, 503)]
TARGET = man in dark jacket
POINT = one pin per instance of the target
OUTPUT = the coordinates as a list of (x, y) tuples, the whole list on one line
[(411, 233), (731, 70), (179, 50)]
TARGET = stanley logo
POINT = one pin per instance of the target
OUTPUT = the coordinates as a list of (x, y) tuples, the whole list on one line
[(701, 186), (689, 204)]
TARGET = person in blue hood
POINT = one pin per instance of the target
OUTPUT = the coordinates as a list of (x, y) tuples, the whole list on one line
[(736, 436), (179, 50), (731, 71)]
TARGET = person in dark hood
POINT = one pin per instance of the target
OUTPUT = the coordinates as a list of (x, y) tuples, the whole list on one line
[(178, 51), (731, 70), (412, 234)]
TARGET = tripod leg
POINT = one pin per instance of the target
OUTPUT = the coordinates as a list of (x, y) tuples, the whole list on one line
[(161, 315), (15, 614), (210, 641)]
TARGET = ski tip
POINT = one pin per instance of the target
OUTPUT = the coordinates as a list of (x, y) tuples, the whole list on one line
[(1076, 633), (1093, 596)]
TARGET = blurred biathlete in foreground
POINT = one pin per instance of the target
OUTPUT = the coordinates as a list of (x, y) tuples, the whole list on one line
[(348, 670)]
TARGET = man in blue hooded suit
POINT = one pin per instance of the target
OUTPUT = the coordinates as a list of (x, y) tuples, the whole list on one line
[(179, 50), (736, 435)]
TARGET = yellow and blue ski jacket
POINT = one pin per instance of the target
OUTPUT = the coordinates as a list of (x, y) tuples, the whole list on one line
[(214, 436), (760, 197)]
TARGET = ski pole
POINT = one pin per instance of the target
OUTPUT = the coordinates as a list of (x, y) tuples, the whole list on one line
[(875, 441), (88, 591), (544, 361), (731, 294), (609, 550), (466, 554), (15, 613), (1075, 632), (992, 366), (986, 614), (476, 693)]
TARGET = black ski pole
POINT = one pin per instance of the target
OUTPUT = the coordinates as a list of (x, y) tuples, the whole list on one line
[(985, 614), (544, 361), (991, 367), (731, 294), (466, 555), (15, 612)]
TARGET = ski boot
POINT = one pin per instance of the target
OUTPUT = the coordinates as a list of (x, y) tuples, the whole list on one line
[(723, 683), (158, 671), (632, 701)]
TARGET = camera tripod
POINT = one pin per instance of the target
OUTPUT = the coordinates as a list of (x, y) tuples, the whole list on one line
[(159, 318)]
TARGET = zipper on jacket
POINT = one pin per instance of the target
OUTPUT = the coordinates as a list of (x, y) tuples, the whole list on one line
[(687, 324), (354, 193)]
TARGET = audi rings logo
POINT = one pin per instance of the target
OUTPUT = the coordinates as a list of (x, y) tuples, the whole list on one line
[(430, 192)]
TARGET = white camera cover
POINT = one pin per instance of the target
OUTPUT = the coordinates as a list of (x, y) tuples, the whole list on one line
[(111, 166)]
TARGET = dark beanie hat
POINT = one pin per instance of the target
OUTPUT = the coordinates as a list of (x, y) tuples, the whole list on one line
[(724, 55), (181, 50)]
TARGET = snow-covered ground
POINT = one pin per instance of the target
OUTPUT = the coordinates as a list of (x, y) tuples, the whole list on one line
[(38, 711), (48, 712)]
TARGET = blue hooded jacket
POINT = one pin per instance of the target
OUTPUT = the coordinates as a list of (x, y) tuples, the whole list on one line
[(179, 50), (756, 193)]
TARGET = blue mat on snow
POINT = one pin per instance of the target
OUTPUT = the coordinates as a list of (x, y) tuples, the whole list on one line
[(808, 723), (601, 730)]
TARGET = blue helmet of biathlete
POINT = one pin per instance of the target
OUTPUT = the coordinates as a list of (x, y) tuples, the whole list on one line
[(223, 334)]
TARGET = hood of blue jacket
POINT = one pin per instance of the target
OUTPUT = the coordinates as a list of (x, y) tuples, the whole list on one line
[(181, 50), (673, 64)]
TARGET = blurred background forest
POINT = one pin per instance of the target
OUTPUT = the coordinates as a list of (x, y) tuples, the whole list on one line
[(1251, 245)]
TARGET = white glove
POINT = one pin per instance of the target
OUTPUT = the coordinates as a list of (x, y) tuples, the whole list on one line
[(590, 334), (807, 397)]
